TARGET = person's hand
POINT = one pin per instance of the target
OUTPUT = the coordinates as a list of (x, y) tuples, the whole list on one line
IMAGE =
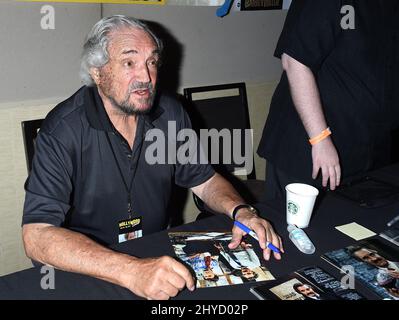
[(263, 230), (158, 278), (393, 273), (325, 157)]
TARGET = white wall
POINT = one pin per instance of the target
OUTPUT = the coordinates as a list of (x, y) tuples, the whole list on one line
[(36, 63)]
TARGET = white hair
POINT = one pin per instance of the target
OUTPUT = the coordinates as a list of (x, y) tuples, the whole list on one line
[(95, 53)]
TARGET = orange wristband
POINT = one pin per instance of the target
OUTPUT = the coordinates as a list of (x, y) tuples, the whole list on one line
[(324, 134)]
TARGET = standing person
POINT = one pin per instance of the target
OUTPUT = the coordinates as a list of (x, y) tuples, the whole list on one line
[(91, 181), (337, 101)]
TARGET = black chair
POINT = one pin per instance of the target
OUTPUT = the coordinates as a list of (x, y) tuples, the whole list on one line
[(220, 107), (30, 129)]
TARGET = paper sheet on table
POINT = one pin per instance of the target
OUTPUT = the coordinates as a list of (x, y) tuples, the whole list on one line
[(355, 231)]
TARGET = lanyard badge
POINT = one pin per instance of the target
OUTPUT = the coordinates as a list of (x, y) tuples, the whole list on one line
[(130, 229)]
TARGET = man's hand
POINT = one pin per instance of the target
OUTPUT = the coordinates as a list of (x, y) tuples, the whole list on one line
[(158, 278), (220, 196), (263, 230), (153, 278), (325, 157), (393, 273)]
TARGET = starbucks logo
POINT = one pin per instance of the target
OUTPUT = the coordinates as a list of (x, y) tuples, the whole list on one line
[(292, 208)]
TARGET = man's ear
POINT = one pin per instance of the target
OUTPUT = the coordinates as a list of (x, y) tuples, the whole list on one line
[(95, 75)]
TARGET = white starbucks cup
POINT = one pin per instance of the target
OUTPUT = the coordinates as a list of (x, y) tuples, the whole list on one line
[(300, 202)]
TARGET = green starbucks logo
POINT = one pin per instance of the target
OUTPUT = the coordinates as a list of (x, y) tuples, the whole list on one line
[(292, 207)]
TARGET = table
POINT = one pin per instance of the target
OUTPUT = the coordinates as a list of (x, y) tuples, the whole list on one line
[(330, 212)]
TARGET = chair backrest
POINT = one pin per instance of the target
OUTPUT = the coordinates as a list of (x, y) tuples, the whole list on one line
[(220, 107), (30, 129)]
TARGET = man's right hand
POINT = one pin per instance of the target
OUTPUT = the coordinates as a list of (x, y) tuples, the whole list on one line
[(325, 157), (157, 278), (152, 278)]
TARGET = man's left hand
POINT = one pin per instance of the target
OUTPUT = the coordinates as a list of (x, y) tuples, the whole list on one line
[(263, 230)]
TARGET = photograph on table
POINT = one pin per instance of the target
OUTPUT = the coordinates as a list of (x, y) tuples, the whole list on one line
[(375, 264), (214, 263), (293, 289), (309, 283)]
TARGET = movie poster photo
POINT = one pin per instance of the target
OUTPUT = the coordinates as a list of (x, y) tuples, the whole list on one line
[(214, 264)]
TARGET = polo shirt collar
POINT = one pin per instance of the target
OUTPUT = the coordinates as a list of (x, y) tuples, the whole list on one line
[(98, 117)]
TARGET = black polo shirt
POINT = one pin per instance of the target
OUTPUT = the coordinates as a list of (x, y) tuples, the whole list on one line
[(357, 75), (75, 181)]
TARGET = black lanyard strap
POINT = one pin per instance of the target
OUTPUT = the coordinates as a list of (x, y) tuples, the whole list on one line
[(139, 135)]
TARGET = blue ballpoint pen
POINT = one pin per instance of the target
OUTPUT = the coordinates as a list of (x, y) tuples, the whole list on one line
[(253, 235), (393, 221)]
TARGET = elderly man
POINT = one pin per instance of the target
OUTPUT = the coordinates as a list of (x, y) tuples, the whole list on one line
[(90, 180)]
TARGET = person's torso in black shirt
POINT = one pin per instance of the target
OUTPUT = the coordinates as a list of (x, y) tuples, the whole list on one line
[(356, 71), (75, 181)]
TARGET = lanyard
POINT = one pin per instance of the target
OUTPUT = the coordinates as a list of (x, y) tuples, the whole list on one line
[(128, 188)]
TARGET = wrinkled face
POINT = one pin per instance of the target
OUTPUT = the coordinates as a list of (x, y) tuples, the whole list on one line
[(307, 291), (371, 257), (129, 78)]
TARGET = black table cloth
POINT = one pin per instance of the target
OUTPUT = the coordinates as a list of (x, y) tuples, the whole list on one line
[(330, 212)]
